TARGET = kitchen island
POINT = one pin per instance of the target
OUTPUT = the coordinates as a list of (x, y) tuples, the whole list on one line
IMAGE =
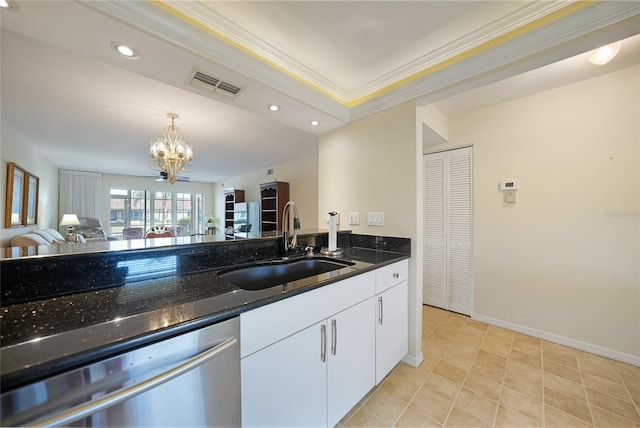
[(69, 308)]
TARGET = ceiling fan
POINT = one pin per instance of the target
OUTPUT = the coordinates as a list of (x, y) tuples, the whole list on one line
[(163, 177)]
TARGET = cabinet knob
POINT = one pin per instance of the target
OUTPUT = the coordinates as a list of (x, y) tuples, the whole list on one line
[(396, 275)]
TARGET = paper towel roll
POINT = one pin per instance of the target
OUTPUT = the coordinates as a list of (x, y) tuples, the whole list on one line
[(333, 231)]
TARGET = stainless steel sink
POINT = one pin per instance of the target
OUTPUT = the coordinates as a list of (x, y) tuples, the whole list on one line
[(261, 275)]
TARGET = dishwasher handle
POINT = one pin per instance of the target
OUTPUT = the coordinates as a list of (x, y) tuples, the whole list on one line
[(82, 411)]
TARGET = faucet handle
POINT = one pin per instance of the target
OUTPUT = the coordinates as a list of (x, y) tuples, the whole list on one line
[(309, 250)]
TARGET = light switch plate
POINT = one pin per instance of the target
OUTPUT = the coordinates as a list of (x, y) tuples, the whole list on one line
[(375, 218), (354, 218)]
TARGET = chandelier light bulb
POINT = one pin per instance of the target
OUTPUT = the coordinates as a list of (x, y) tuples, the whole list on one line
[(171, 155)]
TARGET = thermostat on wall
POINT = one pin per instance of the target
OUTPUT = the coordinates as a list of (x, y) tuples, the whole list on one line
[(509, 185)]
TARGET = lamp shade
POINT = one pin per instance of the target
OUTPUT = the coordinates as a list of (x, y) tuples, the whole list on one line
[(69, 220)]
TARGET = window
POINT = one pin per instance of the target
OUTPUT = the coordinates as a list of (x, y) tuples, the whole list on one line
[(132, 212)]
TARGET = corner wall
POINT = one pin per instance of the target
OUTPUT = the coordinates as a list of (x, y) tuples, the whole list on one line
[(369, 165), (563, 261), (16, 149)]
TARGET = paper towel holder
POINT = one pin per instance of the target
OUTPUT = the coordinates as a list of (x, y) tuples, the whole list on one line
[(335, 253), (329, 250)]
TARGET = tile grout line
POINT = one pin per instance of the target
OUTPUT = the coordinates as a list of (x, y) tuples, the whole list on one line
[(422, 383), (444, 424), (445, 351), (633, 403), (504, 376), (544, 410), (584, 388)]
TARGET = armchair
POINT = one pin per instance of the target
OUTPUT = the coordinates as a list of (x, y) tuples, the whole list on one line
[(91, 229)]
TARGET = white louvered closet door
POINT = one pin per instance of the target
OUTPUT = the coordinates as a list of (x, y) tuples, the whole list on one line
[(447, 277)]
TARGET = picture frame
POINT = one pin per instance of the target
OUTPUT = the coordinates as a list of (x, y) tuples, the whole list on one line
[(14, 215), (32, 184)]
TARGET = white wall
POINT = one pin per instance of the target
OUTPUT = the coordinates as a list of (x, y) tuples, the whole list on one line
[(16, 149), (302, 176), (370, 165), (563, 260)]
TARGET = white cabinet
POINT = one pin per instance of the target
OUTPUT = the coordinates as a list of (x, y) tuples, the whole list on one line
[(350, 368), (392, 325), (313, 377), (392, 319), (307, 360), (285, 383)]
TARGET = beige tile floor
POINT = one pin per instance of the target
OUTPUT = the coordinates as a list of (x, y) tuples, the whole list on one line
[(477, 375)]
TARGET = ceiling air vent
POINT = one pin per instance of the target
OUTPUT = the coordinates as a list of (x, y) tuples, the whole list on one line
[(213, 85)]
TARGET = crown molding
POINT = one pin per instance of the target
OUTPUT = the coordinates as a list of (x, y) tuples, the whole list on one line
[(223, 28), (430, 77), (203, 13), (599, 23)]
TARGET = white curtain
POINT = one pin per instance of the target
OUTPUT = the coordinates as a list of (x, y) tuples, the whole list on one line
[(79, 193)]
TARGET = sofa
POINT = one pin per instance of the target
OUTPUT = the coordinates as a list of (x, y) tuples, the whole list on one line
[(38, 237), (89, 230)]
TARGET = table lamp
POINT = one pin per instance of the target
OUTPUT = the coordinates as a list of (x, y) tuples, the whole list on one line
[(69, 220)]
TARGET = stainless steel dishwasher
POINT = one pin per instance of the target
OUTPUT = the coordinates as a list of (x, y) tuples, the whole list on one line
[(189, 380)]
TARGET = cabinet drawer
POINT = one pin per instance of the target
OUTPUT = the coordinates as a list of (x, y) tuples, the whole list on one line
[(388, 276), (266, 325)]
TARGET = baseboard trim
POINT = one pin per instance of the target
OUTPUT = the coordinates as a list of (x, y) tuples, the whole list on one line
[(562, 340), (413, 360)]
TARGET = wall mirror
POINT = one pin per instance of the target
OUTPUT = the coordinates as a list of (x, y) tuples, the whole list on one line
[(31, 199), (21, 205), (14, 204)]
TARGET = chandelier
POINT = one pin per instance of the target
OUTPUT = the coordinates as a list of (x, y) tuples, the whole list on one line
[(170, 154)]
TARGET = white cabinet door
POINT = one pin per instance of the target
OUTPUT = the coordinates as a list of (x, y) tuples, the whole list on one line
[(392, 329), (350, 363), (285, 384)]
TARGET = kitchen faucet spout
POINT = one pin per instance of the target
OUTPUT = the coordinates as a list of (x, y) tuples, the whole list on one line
[(286, 214)]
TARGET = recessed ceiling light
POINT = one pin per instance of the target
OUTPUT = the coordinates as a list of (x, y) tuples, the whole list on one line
[(274, 107), (314, 123), (125, 50), (604, 54), (5, 4)]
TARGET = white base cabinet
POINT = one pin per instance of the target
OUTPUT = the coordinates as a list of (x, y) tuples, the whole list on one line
[(274, 378), (392, 319), (350, 368), (307, 360)]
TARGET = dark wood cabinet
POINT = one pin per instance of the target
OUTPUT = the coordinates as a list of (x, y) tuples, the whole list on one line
[(273, 197), (231, 197)]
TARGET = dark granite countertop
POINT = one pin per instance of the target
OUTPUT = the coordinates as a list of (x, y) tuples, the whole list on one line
[(155, 298)]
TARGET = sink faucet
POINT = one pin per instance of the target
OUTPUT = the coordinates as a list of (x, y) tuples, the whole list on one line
[(286, 246)]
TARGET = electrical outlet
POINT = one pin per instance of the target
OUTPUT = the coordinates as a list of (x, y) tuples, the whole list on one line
[(354, 218), (375, 218)]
